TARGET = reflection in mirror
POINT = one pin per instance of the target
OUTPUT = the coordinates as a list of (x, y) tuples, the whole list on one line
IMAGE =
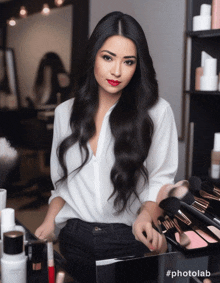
[(8, 82), (52, 83), (33, 37)]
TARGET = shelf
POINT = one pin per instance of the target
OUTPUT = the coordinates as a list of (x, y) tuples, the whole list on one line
[(204, 33), (202, 92)]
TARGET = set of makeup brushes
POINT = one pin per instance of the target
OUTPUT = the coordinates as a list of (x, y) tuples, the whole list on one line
[(192, 214)]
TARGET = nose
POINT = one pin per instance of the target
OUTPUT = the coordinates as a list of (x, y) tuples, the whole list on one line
[(116, 69)]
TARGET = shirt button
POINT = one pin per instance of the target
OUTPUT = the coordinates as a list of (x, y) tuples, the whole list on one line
[(97, 228)]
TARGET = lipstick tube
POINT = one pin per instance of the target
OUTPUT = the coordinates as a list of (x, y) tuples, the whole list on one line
[(50, 262)]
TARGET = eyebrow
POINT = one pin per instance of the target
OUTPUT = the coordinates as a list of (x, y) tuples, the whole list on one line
[(113, 54)]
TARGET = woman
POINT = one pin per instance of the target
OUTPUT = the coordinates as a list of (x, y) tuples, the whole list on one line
[(49, 81), (117, 145)]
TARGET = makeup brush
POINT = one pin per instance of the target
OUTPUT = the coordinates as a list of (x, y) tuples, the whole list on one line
[(172, 207), (166, 229), (195, 185), (201, 205), (184, 239), (183, 194), (198, 188), (60, 277), (209, 187), (208, 190), (170, 229)]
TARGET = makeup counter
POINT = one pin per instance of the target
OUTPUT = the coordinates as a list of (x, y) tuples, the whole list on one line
[(173, 266), (191, 225)]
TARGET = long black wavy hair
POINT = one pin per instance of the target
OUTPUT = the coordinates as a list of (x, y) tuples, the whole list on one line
[(52, 60), (130, 123)]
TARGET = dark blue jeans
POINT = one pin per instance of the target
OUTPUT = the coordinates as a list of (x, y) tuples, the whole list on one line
[(82, 243)]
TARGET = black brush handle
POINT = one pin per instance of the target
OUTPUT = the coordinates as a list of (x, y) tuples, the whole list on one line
[(204, 217)]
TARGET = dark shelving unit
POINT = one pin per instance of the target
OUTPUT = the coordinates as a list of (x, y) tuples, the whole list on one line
[(204, 106)]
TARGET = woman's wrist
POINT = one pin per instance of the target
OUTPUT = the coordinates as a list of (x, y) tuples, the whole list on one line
[(153, 209)]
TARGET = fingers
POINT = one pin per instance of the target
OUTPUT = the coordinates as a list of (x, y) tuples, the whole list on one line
[(39, 234), (42, 233), (152, 239)]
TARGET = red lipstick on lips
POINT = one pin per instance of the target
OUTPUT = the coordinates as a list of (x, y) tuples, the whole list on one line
[(113, 83)]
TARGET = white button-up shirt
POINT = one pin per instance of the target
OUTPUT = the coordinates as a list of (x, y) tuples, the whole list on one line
[(87, 192)]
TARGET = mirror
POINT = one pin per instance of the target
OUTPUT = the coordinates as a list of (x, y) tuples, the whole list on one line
[(34, 36)]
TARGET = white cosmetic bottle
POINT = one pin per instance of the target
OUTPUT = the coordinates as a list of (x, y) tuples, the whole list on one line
[(13, 261), (7, 223), (7, 220)]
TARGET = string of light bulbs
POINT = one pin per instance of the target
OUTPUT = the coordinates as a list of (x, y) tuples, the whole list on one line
[(23, 13)]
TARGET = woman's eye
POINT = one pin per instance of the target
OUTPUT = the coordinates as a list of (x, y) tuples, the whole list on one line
[(106, 57), (129, 62)]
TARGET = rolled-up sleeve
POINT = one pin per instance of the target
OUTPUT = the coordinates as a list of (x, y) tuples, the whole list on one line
[(60, 131), (162, 160)]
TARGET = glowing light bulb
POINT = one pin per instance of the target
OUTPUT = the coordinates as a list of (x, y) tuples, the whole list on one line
[(23, 12), (58, 2), (46, 10), (11, 22)]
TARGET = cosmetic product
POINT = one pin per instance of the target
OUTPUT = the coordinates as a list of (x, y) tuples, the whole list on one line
[(210, 188), (14, 261), (206, 218), (183, 239), (215, 157), (172, 206), (214, 230), (215, 14), (200, 237), (206, 190), (209, 79), (205, 194), (199, 74), (210, 192), (7, 220), (183, 194), (35, 254), (60, 277), (50, 262), (21, 229), (7, 224), (195, 242), (203, 21), (207, 237), (165, 228), (200, 70), (194, 184), (3, 198)]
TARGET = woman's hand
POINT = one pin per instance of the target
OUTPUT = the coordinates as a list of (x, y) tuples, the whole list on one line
[(152, 239), (45, 231)]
